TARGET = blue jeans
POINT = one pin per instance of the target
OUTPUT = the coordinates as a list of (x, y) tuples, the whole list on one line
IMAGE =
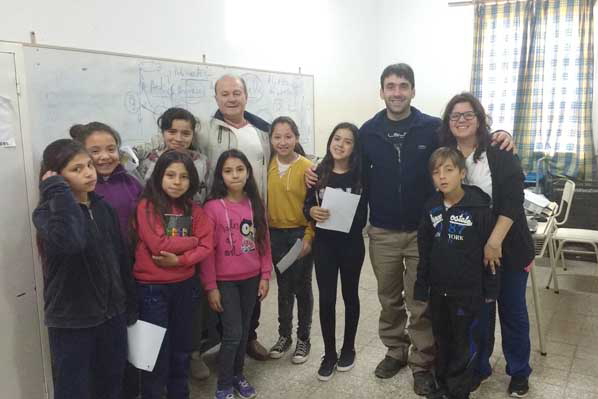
[(514, 323), (238, 300), (169, 306), (89, 362)]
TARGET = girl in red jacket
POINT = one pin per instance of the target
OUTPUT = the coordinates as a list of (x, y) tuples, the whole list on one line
[(173, 236)]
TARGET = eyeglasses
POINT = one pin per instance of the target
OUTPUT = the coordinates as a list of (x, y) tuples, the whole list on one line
[(455, 116)]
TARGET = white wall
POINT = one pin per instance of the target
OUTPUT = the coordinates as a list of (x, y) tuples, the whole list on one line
[(436, 40), (332, 40)]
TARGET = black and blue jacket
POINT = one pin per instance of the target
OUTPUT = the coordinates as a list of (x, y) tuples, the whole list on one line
[(397, 190), (451, 247), (87, 268)]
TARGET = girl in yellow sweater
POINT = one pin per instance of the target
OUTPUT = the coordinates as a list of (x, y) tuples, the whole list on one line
[(286, 195)]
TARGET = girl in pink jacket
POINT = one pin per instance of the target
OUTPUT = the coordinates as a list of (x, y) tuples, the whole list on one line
[(239, 267)]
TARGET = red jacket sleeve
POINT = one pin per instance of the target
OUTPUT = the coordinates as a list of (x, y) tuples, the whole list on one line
[(207, 270), (151, 232), (203, 230)]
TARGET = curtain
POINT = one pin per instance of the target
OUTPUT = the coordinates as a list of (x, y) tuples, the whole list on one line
[(533, 70)]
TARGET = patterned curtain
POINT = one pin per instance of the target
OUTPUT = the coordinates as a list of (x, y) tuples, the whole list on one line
[(533, 70)]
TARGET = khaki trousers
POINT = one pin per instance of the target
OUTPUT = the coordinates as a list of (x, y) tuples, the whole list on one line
[(394, 255)]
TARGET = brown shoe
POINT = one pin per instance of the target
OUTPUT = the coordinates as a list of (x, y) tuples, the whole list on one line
[(256, 351)]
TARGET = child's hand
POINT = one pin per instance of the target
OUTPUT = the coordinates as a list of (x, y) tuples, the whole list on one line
[(262, 291), (214, 300), (310, 177), (319, 214), (49, 174), (166, 259), (306, 249)]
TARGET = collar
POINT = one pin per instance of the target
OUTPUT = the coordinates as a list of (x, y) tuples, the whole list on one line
[(255, 120)]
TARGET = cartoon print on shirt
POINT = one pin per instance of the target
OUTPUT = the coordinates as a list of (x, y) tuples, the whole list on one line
[(247, 232)]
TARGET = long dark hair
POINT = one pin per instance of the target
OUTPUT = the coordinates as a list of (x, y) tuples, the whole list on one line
[(219, 190), (55, 158), (325, 167), (155, 195), (291, 123), (483, 133), (165, 122)]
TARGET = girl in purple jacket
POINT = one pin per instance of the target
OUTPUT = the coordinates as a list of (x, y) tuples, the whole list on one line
[(115, 184)]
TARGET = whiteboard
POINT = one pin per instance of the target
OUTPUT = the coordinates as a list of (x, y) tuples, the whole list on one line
[(68, 86)]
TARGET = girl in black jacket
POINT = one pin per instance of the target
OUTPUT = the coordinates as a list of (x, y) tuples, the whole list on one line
[(89, 291), (336, 252), (465, 126)]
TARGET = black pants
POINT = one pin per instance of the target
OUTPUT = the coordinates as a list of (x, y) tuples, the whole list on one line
[(344, 255), (89, 362), (254, 323), (238, 299), (294, 282), (455, 322), (170, 306)]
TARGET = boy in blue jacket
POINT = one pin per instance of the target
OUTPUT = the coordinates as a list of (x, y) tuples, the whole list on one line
[(451, 274)]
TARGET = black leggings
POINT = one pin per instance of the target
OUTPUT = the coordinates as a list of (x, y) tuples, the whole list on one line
[(331, 255)]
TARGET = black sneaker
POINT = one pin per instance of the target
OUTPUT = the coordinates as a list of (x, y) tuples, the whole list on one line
[(326, 368), (477, 381), (301, 351), (424, 383), (346, 361), (389, 367), (280, 347), (518, 387)]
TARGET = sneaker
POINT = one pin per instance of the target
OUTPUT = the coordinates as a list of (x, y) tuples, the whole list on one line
[(424, 383), (326, 368), (389, 367), (346, 361), (224, 394), (256, 351), (199, 369), (518, 387), (301, 351), (478, 380), (243, 388), (280, 347)]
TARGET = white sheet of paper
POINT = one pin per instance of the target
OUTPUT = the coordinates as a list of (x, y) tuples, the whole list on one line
[(7, 123), (342, 206), (145, 340), (536, 199), (290, 257)]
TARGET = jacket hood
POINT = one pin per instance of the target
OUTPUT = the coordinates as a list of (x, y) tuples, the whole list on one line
[(474, 197), (251, 118)]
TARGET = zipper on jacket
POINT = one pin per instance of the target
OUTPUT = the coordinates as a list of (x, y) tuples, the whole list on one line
[(109, 293)]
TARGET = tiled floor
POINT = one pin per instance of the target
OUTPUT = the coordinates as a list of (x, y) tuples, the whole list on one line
[(570, 370)]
